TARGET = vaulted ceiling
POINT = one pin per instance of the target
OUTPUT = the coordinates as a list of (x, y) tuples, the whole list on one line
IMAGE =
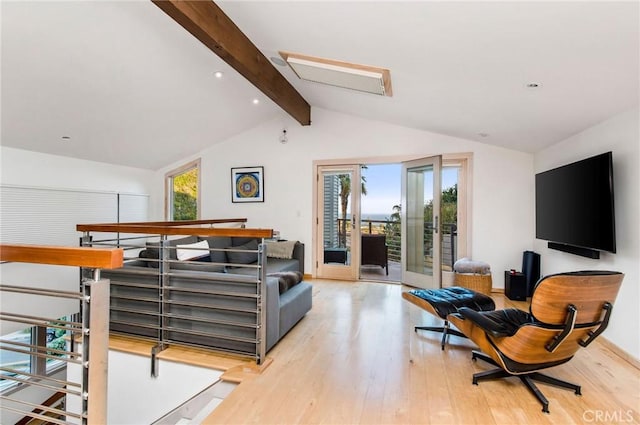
[(121, 82)]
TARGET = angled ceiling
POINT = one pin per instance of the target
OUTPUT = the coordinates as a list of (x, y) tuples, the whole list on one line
[(213, 28), (129, 86)]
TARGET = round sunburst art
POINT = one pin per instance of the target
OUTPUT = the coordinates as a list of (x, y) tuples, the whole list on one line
[(247, 186)]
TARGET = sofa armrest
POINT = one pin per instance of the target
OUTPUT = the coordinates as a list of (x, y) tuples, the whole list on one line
[(298, 254), (272, 308)]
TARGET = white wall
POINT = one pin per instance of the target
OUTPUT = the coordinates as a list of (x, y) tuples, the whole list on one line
[(502, 221), (26, 168), (31, 169), (134, 397), (620, 135)]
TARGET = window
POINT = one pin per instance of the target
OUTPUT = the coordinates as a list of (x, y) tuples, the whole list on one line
[(56, 339), (14, 362), (19, 353), (183, 189)]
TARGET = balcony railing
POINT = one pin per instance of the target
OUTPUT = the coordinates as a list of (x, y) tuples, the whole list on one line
[(392, 229)]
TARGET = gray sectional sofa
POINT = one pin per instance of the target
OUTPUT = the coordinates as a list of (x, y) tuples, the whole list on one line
[(213, 301)]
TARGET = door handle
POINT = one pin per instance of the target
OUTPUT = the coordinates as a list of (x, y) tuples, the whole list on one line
[(435, 226)]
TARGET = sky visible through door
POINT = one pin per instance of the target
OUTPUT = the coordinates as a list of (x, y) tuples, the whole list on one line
[(383, 189)]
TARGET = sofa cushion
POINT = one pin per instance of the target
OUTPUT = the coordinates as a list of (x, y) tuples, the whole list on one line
[(192, 251), (275, 265), (218, 243), (287, 280), (200, 266), (236, 255), (238, 240)]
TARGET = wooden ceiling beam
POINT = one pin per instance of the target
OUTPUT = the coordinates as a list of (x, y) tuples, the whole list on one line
[(209, 24)]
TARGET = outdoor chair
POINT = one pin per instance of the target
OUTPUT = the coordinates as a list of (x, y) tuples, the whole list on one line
[(374, 251)]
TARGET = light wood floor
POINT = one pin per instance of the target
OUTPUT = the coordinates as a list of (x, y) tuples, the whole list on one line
[(355, 359)]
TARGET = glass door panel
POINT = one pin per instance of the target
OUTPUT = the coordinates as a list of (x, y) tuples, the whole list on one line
[(338, 229), (421, 227)]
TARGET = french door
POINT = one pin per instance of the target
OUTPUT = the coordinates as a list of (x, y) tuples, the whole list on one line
[(420, 242), (338, 222)]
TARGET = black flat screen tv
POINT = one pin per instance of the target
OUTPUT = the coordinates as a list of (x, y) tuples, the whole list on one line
[(575, 207)]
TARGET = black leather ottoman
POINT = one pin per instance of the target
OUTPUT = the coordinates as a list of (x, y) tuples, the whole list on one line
[(444, 301)]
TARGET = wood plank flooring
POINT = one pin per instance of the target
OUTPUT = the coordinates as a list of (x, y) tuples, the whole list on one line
[(355, 359)]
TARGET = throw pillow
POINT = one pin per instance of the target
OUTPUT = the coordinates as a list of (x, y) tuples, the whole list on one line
[(237, 254), (172, 244), (280, 249), (151, 257), (217, 244), (192, 251)]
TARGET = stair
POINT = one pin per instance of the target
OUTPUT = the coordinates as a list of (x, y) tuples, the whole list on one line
[(196, 409)]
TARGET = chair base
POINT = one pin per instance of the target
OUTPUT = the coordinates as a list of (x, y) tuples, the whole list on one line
[(446, 331), (527, 379)]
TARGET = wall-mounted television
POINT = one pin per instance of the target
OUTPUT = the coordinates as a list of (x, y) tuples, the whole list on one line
[(575, 207)]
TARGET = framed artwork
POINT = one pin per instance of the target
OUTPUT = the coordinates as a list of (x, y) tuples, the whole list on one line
[(247, 184)]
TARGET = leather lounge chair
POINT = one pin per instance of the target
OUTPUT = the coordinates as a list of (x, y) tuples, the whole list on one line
[(568, 311)]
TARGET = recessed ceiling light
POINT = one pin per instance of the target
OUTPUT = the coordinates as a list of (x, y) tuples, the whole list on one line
[(278, 61), (533, 85), (218, 74), (256, 101), (483, 134), (66, 138)]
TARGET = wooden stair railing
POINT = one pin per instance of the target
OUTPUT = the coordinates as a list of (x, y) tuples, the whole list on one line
[(187, 228), (94, 306), (62, 256)]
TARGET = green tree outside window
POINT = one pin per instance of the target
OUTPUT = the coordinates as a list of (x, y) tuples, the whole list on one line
[(185, 195)]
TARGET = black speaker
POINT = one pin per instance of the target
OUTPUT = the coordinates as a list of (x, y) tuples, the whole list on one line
[(515, 286), (531, 269)]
